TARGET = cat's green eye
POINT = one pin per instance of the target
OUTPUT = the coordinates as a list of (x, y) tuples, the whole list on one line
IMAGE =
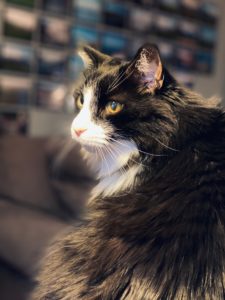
[(79, 101), (113, 108)]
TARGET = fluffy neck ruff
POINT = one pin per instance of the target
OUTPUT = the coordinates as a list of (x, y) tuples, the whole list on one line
[(116, 168)]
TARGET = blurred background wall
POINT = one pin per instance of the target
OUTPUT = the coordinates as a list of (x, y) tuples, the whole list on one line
[(38, 38), (38, 68)]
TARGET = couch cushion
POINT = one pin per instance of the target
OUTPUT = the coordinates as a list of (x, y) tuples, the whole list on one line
[(70, 177), (24, 172), (73, 195), (10, 277), (65, 159), (24, 234)]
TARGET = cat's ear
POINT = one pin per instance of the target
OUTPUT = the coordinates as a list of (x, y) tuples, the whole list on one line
[(91, 57), (147, 69)]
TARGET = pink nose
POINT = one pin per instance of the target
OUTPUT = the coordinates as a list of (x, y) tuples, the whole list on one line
[(79, 131)]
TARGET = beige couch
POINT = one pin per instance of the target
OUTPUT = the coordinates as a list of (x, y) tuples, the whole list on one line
[(38, 198)]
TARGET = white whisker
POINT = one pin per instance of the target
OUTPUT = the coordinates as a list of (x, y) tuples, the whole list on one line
[(105, 160), (113, 156), (147, 153), (120, 82), (117, 81), (161, 143)]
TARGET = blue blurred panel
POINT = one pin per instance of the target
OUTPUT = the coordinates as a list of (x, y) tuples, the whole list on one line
[(87, 35), (204, 61), (116, 8), (88, 11), (112, 43), (76, 66), (207, 36), (116, 14), (87, 16), (209, 10)]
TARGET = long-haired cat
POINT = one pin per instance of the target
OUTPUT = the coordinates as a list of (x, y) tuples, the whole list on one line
[(155, 223)]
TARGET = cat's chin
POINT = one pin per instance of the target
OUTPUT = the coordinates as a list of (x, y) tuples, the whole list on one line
[(91, 148)]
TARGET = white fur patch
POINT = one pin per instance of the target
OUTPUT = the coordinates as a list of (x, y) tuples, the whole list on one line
[(116, 183), (115, 156), (94, 134), (113, 178)]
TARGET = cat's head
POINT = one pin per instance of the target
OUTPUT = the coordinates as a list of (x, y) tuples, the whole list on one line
[(123, 101)]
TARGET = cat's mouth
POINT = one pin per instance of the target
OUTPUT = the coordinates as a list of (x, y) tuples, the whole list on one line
[(90, 144)]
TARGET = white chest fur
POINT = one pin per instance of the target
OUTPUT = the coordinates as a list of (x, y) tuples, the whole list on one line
[(109, 166), (116, 183)]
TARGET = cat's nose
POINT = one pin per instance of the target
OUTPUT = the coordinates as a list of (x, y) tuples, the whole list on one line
[(79, 131)]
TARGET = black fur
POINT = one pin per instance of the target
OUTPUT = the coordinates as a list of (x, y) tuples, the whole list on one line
[(164, 240)]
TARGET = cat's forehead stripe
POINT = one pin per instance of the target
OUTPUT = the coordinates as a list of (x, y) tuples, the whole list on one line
[(88, 94)]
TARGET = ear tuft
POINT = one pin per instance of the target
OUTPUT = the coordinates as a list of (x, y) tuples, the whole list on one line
[(91, 57), (148, 69)]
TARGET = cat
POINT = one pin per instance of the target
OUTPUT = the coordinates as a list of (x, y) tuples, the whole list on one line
[(154, 228)]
